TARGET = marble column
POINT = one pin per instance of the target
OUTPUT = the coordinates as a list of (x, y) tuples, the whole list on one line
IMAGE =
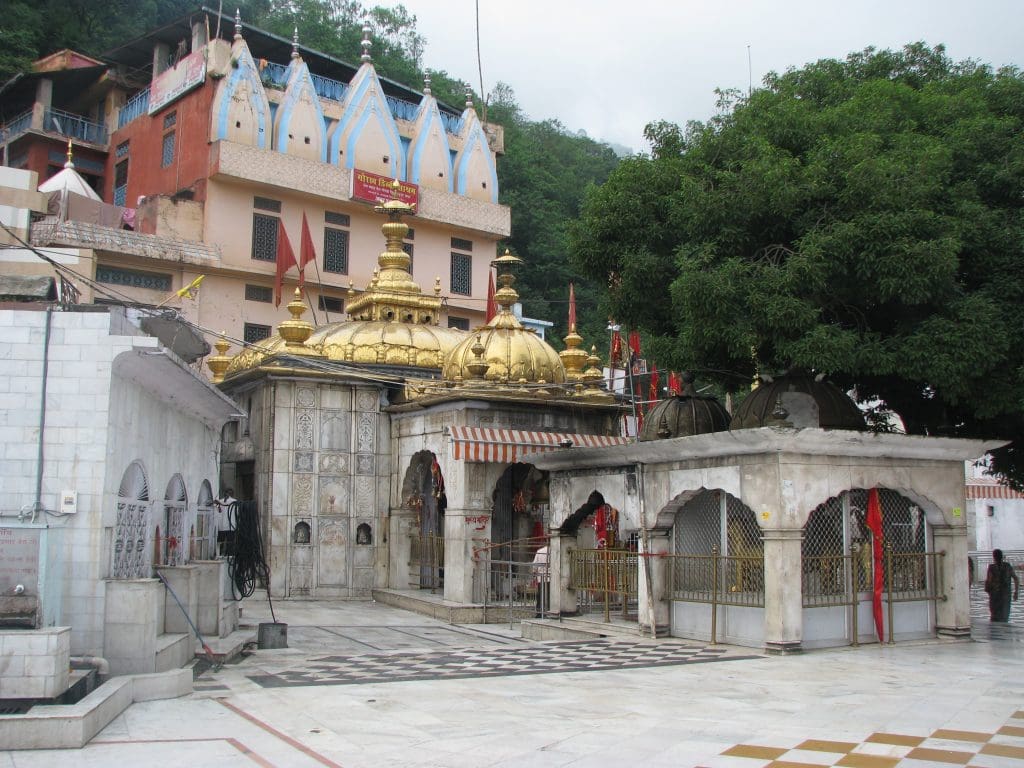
[(783, 591), (652, 562), (563, 598), (953, 614)]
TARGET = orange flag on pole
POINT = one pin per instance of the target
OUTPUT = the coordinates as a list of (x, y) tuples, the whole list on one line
[(307, 252), (492, 306), (285, 261)]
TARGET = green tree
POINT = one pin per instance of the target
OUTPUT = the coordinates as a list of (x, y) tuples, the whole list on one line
[(861, 218)]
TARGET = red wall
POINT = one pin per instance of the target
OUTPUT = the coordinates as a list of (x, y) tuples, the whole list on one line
[(191, 150)]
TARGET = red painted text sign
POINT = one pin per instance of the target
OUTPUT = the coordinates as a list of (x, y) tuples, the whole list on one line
[(175, 82), (379, 189), (19, 559)]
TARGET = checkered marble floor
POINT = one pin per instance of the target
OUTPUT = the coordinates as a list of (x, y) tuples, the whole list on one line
[(1002, 749), (584, 656)]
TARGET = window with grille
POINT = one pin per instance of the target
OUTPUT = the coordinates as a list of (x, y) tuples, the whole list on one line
[(331, 304), (266, 204), (462, 274), (252, 333), (336, 250), (132, 279), (411, 234), (264, 237), (407, 247), (459, 244), (259, 293), (122, 150), (167, 150), (121, 182), (462, 323), (170, 120), (337, 219)]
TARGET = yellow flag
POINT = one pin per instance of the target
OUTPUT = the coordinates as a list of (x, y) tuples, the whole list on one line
[(188, 292)]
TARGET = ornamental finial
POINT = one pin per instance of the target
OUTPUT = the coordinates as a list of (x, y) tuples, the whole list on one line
[(469, 97), (295, 43), (238, 24), (69, 163), (366, 41), (426, 85)]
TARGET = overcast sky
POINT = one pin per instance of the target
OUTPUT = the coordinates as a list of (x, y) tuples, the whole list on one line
[(611, 66)]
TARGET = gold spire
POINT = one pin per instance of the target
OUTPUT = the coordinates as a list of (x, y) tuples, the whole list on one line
[(392, 294), (218, 363), (69, 164), (296, 331)]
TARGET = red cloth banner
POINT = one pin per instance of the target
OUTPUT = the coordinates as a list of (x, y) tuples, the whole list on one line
[(616, 354), (492, 305), (675, 383), (572, 308), (285, 261), (654, 390), (307, 252), (874, 523)]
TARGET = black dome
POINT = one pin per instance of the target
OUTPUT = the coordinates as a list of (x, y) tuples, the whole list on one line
[(798, 400), (684, 415)]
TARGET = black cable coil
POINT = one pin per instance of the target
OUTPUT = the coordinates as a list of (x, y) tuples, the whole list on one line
[(248, 565)]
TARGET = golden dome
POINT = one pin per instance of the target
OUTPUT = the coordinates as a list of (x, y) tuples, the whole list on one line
[(290, 339), (381, 342), (513, 355)]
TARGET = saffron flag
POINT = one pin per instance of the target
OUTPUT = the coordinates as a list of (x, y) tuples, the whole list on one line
[(492, 307), (285, 261), (189, 291), (654, 390), (874, 523), (572, 308), (307, 252), (675, 383)]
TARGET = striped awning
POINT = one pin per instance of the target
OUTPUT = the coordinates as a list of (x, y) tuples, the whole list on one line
[(506, 446), (979, 488)]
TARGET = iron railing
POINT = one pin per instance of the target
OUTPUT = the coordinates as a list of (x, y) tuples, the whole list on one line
[(74, 126), (508, 582), (135, 106), (426, 561), (15, 127), (605, 577)]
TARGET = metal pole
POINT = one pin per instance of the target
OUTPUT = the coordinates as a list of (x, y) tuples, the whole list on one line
[(510, 588), (888, 585), (854, 587), (714, 595), (607, 586)]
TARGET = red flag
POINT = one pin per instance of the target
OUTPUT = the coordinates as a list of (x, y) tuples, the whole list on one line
[(572, 309), (634, 342), (874, 523), (653, 392), (285, 261), (307, 252), (492, 306), (616, 355), (675, 383)]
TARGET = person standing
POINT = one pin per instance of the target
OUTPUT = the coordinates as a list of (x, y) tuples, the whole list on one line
[(997, 583), (541, 580)]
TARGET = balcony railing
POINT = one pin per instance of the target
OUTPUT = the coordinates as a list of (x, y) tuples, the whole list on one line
[(74, 126), (16, 127), (135, 106)]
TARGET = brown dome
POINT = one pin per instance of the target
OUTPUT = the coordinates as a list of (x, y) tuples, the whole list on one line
[(798, 400), (684, 415)]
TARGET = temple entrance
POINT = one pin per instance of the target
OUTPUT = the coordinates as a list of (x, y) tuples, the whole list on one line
[(508, 572), (423, 492), (840, 571), (718, 561)]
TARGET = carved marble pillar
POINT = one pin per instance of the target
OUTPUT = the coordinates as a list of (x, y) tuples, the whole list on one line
[(563, 598), (783, 593), (953, 615), (652, 565)]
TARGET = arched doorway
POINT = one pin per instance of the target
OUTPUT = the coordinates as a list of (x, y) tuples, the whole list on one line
[(838, 572), (423, 491), (131, 528), (717, 559)]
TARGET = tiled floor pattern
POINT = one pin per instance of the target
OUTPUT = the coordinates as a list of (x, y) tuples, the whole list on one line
[(1002, 749), (583, 656)]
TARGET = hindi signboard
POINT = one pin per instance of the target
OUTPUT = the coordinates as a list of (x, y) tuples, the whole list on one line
[(173, 83), (374, 188), (19, 559)]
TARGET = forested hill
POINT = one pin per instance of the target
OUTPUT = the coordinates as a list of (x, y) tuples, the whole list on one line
[(542, 176)]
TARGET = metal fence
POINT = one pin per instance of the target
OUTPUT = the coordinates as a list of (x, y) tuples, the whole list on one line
[(508, 582), (74, 126), (426, 560), (603, 579), (716, 578)]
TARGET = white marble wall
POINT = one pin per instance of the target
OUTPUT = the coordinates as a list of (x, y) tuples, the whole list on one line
[(34, 664)]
